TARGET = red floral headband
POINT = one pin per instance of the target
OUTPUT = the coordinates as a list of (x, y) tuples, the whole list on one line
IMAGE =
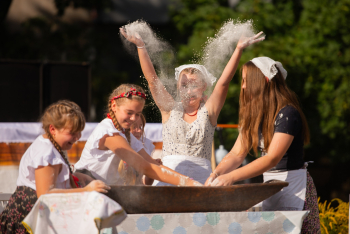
[(131, 92)]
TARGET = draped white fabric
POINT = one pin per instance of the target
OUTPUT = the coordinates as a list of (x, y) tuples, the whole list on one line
[(28, 132)]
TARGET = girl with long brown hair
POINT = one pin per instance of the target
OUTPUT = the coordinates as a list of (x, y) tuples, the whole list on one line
[(271, 124), (111, 144), (44, 167)]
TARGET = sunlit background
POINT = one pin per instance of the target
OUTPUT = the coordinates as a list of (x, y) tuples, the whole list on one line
[(80, 40)]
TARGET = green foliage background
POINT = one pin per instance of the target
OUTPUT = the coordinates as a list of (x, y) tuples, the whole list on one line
[(310, 38)]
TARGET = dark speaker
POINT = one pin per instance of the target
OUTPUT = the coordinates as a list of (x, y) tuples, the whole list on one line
[(27, 88)]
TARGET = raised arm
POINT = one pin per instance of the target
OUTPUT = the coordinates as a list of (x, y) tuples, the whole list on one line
[(121, 148), (278, 147), (217, 98), (163, 99)]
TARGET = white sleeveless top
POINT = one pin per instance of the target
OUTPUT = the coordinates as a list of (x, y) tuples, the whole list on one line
[(192, 139), (41, 153), (187, 147), (103, 164)]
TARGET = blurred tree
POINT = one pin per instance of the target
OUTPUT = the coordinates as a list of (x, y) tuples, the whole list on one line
[(97, 5)]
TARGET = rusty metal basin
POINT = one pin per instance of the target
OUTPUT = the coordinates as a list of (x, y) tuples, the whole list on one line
[(171, 199)]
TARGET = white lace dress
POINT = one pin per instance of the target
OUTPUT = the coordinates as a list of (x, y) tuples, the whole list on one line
[(187, 146)]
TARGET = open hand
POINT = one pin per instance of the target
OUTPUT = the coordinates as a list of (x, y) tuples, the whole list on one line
[(210, 179), (133, 38), (159, 161), (222, 180), (98, 186), (244, 42)]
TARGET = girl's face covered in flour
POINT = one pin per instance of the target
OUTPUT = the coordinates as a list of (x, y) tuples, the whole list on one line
[(191, 88)]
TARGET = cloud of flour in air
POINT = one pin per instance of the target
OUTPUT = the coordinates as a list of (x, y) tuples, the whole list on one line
[(219, 49), (161, 52), (216, 51)]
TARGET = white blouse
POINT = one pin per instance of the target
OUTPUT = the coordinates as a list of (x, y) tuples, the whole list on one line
[(41, 153), (148, 145), (103, 164)]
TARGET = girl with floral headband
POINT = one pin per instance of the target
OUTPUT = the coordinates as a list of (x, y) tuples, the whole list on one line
[(111, 144), (271, 123), (189, 125)]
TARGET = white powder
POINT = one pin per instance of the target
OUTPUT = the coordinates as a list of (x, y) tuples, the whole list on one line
[(197, 184), (160, 52), (219, 49), (216, 51), (166, 171), (215, 182), (183, 180)]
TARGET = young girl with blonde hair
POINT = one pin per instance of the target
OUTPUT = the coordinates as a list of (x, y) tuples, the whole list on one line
[(111, 143), (138, 130), (271, 122), (44, 167)]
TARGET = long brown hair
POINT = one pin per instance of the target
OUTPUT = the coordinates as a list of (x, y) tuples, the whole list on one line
[(63, 114), (126, 171), (259, 103)]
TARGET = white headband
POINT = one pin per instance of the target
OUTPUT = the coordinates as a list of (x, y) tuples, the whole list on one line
[(207, 76), (268, 67)]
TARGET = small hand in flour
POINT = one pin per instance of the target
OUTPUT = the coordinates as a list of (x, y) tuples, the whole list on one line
[(136, 38), (223, 180), (158, 160), (247, 41), (210, 179), (98, 186)]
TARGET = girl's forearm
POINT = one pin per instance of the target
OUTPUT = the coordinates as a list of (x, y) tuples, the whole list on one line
[(169, 176), (229, 163), (231, 67), (163, 99), (253, 169), (147, 66)]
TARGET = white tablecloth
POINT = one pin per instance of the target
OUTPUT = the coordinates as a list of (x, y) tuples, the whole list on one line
[(74, 213), (28, 132), (277, 222)]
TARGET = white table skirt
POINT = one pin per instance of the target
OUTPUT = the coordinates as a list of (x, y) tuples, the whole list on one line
[(75, 213), (277, 222), (28, 132)]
